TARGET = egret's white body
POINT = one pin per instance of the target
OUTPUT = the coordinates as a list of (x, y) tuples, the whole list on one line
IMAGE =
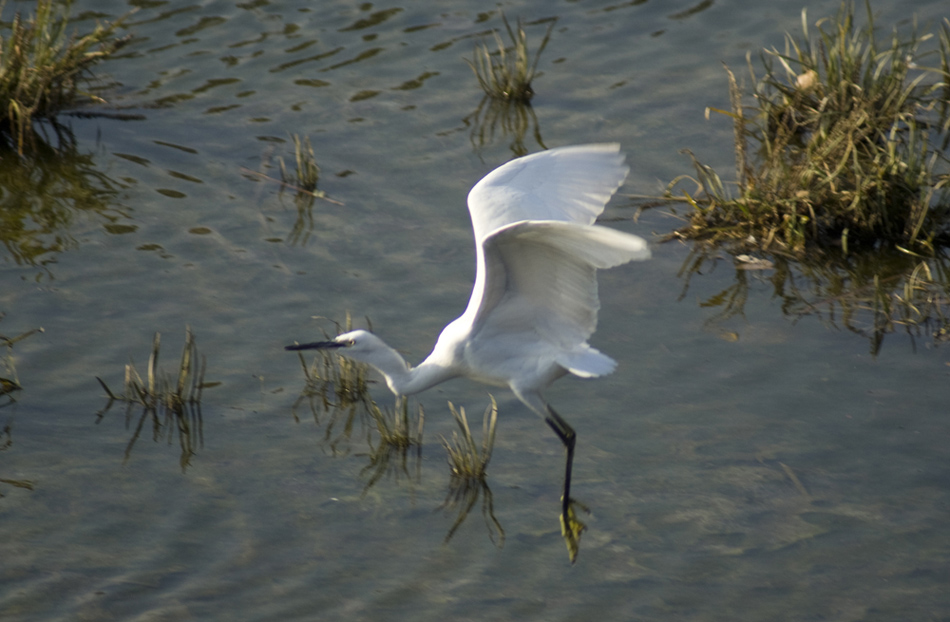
[(534, 304)]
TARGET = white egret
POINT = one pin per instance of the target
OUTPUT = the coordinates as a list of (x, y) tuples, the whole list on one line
[(534, 304)]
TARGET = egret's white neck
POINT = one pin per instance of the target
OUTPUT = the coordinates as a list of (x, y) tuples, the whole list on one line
[(417, 379), (402, 378)]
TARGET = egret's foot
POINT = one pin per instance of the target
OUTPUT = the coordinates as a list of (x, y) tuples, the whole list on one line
[(571, 528)]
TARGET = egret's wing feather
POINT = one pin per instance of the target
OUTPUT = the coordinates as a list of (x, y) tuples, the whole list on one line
[(540, 279), (569, 184)]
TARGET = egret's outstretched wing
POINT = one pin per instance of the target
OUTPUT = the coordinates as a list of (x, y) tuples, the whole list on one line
[(540, 281), (569, 183)]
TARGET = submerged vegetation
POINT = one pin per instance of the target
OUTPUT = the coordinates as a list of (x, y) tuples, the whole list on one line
[(170, 405), (842, 180), (42, 67)]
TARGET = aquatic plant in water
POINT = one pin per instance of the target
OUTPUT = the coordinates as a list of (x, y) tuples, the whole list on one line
[(170, 405), (467, 459), (42, 67), (846, 193), (505, 75), (507, 72), (469, 462), (396, 439), (307, 173), (850, 133), (337, 385)]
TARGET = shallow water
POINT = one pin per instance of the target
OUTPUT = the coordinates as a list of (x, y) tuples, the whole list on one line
[(754, 468)]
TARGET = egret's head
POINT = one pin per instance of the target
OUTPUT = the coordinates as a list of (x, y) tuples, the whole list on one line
[(353, 341), (360, 345)]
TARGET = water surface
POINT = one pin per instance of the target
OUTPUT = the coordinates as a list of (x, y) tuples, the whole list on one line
[(755, 468)]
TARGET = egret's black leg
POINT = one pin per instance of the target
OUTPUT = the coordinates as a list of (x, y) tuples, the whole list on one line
[(571, 528), (567, 435)]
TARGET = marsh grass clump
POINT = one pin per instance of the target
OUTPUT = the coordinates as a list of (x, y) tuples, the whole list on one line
[(394, 426), (307, 172), (507, 72), (302, 179), (506, 75), (842, 181), (844, 148), (469, 462), (336, 385), (467, 459), (334, 382), (339, 386), (42, 67), (170, 404), (398, 437)]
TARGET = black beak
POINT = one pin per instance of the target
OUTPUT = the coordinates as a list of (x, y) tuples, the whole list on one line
[(316, 345)]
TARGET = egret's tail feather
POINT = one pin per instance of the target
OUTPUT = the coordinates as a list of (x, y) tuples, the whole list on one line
[(587, 363)]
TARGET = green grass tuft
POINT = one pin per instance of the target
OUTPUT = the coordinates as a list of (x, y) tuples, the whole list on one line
[(507, 72), (42, 67), (467, 459), (844, 147), (469, 463)]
